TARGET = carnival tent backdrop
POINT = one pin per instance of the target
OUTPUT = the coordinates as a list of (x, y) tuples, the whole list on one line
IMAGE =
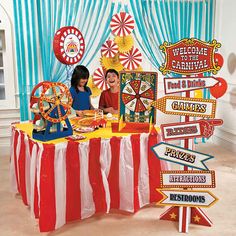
[(156, 21)]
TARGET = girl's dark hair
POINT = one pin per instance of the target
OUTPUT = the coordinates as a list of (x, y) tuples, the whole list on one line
[(80, 72), (112, 71)]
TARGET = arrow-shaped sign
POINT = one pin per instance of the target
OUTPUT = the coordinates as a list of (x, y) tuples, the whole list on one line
[(187, 179), (192, 129), (182, 156), (186, 106), (177, 85), (188, 198)]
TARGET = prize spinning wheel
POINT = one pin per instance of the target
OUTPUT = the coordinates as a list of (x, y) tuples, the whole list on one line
[(59, 99), (137, 95)]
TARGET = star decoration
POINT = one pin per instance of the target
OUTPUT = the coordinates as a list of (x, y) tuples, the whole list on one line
[(196, 218), (173, 215)]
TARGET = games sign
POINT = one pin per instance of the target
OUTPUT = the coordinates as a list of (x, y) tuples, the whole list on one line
[(189, 56), (137, 91), (197, 107), (187, 179), (192, 129)]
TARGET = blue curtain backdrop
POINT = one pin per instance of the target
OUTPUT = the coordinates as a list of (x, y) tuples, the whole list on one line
[(170, 20), (36, 22)]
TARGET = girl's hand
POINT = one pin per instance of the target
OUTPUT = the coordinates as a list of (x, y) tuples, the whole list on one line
[(80, 113), (109, 110)]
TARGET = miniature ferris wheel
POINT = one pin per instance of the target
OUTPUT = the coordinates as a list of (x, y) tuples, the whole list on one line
[(51, 104)]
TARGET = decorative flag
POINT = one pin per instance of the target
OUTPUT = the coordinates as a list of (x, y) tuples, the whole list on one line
[(99, 79), (132, 59), (122, 24), (109, 49), (124, 43), (113, 63)]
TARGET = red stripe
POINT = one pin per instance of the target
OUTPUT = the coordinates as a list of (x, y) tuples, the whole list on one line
[(21, 164), (95, 175), (154, 166), (73, 196), (36, 197), (113, 177), (15, 158), (184, 219), (135, 141), (36, 194), (47, 217), (36, 206)]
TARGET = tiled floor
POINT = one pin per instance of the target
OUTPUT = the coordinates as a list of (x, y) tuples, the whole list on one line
[(15, 219)]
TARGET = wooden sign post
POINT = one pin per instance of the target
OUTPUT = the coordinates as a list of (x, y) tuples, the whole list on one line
[(189, 57)]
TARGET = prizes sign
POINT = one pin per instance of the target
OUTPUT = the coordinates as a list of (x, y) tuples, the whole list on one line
[(189, 56), (181, 156)]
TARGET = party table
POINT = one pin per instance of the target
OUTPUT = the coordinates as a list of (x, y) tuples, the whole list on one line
[(63, 180)]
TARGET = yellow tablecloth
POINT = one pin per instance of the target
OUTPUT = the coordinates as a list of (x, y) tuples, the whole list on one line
[(99, 133)]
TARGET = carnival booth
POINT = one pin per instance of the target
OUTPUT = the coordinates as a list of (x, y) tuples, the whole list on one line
[(69, 168)]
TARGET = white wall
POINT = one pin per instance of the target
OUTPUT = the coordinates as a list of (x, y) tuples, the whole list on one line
[(225, 32), (7, 6)]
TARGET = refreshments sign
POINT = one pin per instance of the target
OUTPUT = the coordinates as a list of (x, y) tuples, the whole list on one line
[(177, 85)]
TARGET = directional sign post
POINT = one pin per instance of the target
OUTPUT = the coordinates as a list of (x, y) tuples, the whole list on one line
[(192, 129), (181, 156), (187, 179), (177, 85), (182, 106), (190, 57), (187, 198)]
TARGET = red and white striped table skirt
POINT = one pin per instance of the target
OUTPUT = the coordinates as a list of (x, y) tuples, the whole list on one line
[(70, 180)]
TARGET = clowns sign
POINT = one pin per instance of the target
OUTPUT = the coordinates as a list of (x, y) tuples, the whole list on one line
[(190, 56)]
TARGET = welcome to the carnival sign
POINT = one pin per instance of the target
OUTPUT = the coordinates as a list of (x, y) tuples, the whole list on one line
[(189, 56)]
